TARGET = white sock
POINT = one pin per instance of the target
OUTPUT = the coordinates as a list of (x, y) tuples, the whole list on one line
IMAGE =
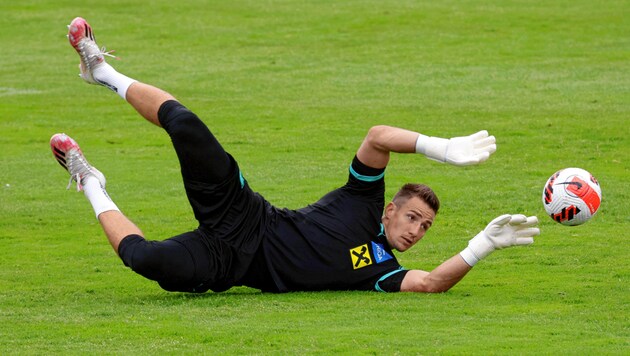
[(98, 197), (115, 81)]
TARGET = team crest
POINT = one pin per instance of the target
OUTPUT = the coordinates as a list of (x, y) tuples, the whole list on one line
[(360, 256)]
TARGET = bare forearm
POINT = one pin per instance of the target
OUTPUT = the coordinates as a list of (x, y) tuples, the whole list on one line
[(449, 273), (381, 140), (458, 151), (441, 279)]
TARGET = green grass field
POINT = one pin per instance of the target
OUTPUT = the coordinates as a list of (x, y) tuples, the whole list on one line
[(290, 88)]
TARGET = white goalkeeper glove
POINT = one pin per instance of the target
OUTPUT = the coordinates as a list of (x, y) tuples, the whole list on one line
[(505, 231), (459, 151)]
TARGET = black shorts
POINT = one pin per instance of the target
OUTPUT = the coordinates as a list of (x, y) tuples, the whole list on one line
[(231, 216)]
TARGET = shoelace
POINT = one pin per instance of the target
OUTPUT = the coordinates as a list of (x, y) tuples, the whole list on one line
[(103, 52), (77, 176)]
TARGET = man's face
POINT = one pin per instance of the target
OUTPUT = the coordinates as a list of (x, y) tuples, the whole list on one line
[(406, 224)]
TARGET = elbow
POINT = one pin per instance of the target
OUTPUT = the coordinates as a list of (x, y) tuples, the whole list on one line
[(423, 282), (377, 135), (431, 286), (434, 288)]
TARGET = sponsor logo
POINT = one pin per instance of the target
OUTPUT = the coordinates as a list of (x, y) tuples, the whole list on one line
[(380, 255), (360, 256)]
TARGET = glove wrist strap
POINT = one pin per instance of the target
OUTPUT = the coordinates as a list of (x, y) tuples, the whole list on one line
[(478, 248), (469, 256), (432, 147)]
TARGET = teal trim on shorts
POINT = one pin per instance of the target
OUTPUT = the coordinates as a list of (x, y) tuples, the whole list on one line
[(377, 287), (361, 177), (240, 177)]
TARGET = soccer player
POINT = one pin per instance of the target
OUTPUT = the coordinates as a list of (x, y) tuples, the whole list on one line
[(344, 241)]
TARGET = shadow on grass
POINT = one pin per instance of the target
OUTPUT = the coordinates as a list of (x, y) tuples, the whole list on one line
[(240, 295)]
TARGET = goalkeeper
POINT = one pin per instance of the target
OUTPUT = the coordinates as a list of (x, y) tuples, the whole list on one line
[(343, 241)]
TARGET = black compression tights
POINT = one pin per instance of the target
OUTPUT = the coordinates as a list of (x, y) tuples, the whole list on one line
[(201, 157), (182, 263)]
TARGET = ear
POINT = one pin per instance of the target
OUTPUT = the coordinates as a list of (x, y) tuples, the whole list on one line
[(390, 209)]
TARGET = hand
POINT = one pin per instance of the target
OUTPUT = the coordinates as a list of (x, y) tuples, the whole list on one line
[(504, 231), (473, 149), (458, 151)]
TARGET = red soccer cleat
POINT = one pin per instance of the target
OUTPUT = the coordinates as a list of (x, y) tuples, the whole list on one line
[(69, 155), (82, 39)]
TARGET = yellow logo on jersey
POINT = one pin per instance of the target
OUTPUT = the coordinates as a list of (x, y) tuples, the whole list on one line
[(360, 256)]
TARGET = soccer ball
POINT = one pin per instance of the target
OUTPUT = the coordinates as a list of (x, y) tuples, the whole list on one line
[(571, 196)]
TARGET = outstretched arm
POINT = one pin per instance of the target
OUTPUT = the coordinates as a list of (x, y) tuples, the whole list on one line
[(441, 279), (459, 151), (381, 140), (504, 231)]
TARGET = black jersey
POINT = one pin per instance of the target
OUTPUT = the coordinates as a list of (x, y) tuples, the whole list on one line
[(337, 243)]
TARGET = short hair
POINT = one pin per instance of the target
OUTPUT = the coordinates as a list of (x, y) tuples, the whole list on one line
[(420, 191)]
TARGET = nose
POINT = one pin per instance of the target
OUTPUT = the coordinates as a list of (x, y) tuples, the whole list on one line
[(418, 232)]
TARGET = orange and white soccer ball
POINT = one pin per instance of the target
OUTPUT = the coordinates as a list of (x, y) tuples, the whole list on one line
[(571, 196)]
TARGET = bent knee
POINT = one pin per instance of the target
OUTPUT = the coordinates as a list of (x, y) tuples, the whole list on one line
[(175, 118), (156, 260), (133, 252)]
